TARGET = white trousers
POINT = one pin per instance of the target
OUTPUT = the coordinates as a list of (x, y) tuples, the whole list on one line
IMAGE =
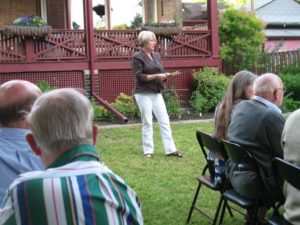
[(155, 103)]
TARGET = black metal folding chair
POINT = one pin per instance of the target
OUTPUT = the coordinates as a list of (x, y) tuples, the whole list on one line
[(240, 156), (288, 172), (207, 143)]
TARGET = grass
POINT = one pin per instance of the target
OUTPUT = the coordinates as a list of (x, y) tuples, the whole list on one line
[(165, 185)]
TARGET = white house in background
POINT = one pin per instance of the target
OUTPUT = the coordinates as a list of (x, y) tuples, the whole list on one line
[(282, 18)]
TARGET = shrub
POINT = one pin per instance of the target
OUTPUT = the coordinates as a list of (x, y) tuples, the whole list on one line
[(291, 69), (289, 104), (211, 87), (100, 113), (44, 86), (172, 103), (126, 105), (292, 84)]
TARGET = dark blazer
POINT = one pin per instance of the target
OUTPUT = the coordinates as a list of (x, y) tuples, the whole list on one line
[(143, 66), (258, 129)]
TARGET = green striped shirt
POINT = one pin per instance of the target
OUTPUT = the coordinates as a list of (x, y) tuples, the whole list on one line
[(75, 189)]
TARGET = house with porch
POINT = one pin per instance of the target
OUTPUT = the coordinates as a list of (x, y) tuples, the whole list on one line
[(282, 19), (98, 61)]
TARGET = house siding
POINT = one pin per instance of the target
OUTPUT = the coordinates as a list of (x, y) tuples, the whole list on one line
[(170, 10), (12, 9), (56, 14)]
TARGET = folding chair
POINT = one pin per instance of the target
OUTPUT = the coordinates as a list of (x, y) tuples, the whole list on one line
[(288, 172), (241, 157), (207, 142)]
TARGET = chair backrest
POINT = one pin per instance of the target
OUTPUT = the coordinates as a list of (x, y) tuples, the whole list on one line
[(207, 143), (211, 143), (287, 171), (238, 154)]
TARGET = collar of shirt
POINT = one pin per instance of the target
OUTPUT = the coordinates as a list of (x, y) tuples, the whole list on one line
[(19, 133), (84, 152), (269, 104)]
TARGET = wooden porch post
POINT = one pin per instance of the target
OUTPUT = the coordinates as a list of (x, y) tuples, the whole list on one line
[(90, 40), (108, 14), (68, 15), (212, 9)]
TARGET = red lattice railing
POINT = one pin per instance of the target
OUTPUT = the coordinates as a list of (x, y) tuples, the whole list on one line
[(70, 45), (120, 44), (11, 49), (116, 44), (61, 45)]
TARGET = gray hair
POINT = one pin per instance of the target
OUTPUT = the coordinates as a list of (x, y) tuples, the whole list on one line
[(145, 36), (265, 83), (62, 119)]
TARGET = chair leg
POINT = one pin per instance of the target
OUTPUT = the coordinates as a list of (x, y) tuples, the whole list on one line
[(218, 210), (194, 202), (229, 210), (223, 211)]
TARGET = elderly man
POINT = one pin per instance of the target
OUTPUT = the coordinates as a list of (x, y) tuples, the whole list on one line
[(257, 125), (16, 99), (76, 188)]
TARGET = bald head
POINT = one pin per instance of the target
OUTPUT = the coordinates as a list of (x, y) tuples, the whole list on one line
[(267, 86), (16, 99)]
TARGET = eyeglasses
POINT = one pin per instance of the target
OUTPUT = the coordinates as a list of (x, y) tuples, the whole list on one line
[(282, 88)]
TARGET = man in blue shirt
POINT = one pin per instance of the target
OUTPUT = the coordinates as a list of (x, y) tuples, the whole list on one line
[(16, 99)]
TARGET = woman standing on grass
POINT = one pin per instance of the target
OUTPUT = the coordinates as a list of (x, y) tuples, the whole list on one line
[(240, 88), (149, 76)]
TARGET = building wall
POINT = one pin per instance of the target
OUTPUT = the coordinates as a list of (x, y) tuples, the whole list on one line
[(169, 10), (12, 9), (162, 10), (56, 14)]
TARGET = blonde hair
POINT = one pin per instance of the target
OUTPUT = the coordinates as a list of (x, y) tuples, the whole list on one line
[(145, 36)]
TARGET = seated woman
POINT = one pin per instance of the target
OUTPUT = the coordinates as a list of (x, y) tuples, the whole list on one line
[(240, 88)]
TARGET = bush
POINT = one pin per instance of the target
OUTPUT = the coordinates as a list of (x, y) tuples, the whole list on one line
[(44, 86), (100, 113), (291, 69), (126, 105), (289, 104), (172, 103), (292, 84), (211, 87)]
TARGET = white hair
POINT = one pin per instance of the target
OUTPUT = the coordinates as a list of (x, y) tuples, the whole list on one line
[(267, 82), (145, 36), (62, 119)]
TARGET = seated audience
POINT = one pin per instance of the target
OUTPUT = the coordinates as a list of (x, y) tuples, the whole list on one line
[(240, 88), (291, 152), (16, 99), (257, 126), (76, 188)]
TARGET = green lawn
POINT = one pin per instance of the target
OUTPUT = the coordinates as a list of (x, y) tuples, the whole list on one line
[(165, 185)]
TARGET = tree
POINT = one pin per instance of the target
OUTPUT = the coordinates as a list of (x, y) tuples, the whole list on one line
[(137, 22), (241, 38)]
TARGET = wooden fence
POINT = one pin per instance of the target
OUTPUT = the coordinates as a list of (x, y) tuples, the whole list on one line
[(268, 63), (275, 62)]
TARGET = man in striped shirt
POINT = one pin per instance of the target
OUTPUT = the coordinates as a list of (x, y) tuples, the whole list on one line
[(76, 188)]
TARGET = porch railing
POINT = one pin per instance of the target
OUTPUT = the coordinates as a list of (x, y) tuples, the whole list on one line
[(70, 45)]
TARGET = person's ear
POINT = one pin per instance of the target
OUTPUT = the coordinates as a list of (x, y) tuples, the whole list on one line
[(32, 143), (95, 134)]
